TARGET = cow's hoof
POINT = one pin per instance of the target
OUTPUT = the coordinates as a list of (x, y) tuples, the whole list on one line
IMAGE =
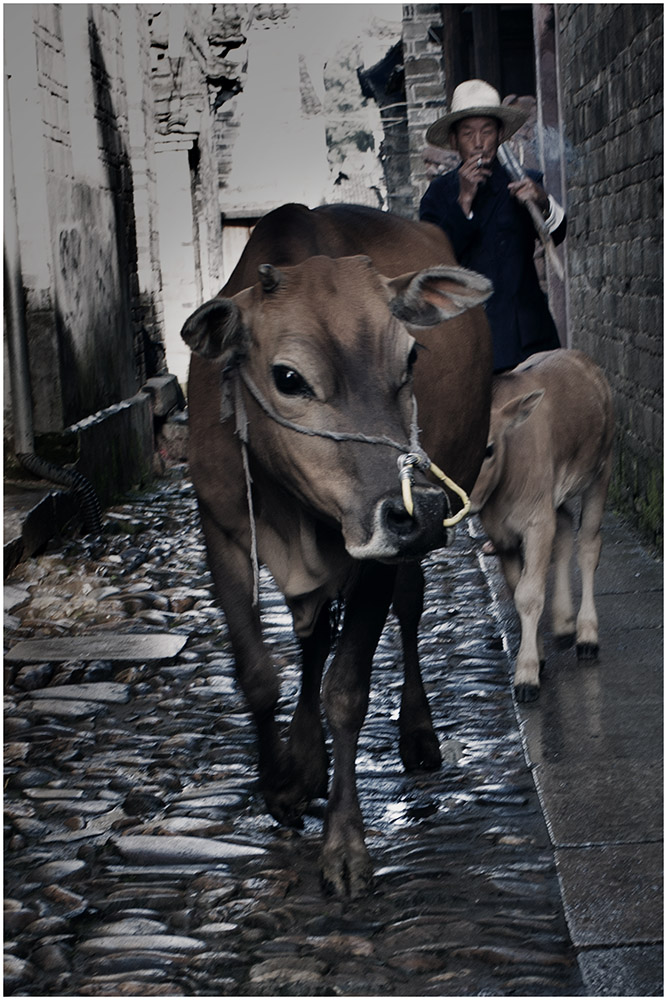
[(420, 750), (285, 793), (587, 650), (565, 641), (527, 692), (347, 873), (285, 809)]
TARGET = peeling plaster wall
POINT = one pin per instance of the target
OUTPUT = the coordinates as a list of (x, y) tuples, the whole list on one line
[(69, 120), (300, 129), (78, 102), (183, 67)]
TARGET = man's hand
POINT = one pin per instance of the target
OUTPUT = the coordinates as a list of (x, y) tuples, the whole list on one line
[(472, 172), (527, 190)]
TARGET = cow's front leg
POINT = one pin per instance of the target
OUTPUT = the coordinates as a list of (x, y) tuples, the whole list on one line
[(418, 744), (306, 735), (280, 780), (529, 602), (346, 865)]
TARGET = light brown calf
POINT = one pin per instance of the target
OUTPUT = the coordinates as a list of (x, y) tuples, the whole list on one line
[(550, 440)]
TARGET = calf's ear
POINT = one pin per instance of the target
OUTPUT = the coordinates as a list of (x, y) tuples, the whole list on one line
[(520, 408), (426, 298), (216, 330)]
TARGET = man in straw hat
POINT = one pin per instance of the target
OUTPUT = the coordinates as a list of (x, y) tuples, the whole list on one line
[(483, 212)]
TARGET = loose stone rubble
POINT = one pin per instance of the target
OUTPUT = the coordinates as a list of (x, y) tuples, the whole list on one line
[(140, 860)]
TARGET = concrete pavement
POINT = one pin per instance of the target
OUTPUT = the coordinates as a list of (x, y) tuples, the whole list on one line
[(594, 741)]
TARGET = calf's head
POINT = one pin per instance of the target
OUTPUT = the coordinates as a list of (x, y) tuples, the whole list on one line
[(503, 422), (325, 356)]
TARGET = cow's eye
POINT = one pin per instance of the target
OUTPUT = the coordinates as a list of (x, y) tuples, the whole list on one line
[(289, 382), (489, 450)]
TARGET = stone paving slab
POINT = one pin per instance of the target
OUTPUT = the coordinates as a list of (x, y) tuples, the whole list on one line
[(100, 691), (117, 648), (632, 878), (579, 798), (623, 972)]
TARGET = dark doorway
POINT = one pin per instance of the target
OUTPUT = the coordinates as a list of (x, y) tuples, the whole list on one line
[(493, 42)]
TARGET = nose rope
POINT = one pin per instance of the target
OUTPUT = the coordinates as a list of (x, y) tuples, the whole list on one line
[(412, 460), (416, 457)]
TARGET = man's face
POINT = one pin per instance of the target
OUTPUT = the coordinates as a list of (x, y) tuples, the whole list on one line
[(476, 137)]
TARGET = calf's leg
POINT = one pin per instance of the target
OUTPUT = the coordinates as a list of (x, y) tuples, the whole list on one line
[(511, 562), (588, 557), (418, 744), (529, 603), (346, 865), (561, 606)]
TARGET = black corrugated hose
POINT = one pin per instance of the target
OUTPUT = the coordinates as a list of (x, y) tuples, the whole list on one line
[(83, 490)]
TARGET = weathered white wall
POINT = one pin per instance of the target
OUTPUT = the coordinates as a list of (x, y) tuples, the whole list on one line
[(72, 86), (292, 132), (187, 218), (179, 275), (281, 152)]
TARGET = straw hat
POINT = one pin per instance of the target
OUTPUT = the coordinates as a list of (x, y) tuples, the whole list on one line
[(473, 99)]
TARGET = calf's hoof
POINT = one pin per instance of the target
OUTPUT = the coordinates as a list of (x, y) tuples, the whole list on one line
[(420, 750), (526, 692), (346, 871), (587, 650), (565, 640)]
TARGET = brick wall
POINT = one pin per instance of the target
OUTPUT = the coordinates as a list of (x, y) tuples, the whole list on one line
[(611, 101), (424, 84)]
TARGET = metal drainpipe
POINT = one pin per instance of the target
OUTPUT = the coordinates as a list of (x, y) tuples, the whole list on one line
[(19, 366)]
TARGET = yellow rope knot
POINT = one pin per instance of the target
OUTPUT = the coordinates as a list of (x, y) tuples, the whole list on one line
[(407, 463)]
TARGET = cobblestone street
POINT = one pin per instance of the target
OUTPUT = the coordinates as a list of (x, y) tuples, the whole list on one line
[(140, 860)]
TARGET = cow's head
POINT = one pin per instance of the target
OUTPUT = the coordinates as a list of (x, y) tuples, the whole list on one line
[(504, 420), (327, 346)]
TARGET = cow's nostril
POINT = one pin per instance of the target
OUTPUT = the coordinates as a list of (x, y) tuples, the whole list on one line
[(398, 520)]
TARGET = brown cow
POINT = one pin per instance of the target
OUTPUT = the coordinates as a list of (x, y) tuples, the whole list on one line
[(306, 357), (550, 440)]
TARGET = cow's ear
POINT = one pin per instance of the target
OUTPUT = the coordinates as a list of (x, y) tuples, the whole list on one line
[(520, 408), (425, 298), (216, 330)]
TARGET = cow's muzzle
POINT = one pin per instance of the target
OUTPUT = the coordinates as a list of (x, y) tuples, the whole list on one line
[(397, 535)]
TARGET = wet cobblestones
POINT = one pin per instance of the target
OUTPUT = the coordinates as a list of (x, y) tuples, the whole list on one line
[(139, 859)]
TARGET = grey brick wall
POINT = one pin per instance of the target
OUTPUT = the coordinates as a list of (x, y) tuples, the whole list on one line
[(424, 84), (611, 99)]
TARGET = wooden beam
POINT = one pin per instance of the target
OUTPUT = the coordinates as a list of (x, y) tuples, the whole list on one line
[(486, 43), (452, 47)]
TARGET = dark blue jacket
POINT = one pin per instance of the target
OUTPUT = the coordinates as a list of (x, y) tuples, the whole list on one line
[(499, 242)]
